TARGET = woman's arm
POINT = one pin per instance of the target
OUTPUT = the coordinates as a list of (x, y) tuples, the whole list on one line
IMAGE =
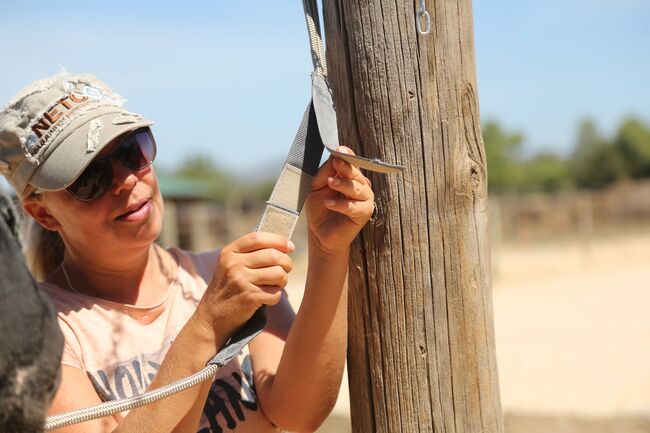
[(251, 272), (298, 380), (192, 348)]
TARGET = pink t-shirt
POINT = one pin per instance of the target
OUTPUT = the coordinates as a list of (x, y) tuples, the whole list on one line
[(121, 346)]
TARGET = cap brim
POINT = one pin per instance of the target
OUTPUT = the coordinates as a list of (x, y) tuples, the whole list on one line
[(69, 159)]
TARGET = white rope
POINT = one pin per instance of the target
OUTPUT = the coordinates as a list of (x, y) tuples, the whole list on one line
[(315, 40), (108, 408)]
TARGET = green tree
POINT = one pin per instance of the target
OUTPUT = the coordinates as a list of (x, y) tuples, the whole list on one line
[(633, 144), (595, 162), (502, 150), (215, 179), (546, 172)]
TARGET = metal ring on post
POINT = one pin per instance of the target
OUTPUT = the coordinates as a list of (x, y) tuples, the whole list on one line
[(419, 16), (427, 22)]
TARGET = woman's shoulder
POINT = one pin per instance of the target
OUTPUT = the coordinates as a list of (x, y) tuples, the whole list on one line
[(63, 300), (200, 264)]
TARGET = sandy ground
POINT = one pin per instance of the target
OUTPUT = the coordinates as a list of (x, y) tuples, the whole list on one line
[(572, 333), (573, 327)]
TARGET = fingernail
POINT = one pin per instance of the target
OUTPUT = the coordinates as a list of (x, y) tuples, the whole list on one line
[(291, 245), (330, 202)]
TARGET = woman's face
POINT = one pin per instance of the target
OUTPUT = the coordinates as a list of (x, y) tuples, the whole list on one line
[(129, 214)]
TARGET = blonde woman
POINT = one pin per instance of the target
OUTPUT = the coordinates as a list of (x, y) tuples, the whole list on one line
[(136, 316)]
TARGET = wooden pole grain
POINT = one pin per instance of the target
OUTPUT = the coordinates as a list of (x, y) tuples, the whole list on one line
[(421, 336)]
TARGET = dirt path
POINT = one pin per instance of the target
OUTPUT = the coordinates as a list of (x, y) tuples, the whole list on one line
[(572, 328)]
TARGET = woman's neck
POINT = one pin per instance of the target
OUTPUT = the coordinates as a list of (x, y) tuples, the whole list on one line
[(137, 277)]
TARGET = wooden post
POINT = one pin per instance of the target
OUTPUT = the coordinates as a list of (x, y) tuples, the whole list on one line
[(421, 339)]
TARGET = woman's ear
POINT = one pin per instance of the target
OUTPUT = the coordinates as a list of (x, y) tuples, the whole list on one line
[(34, 205)]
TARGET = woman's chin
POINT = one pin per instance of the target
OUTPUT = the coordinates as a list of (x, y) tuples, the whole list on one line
[(147, 231)]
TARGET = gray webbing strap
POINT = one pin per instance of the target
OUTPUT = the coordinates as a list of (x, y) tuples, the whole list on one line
[(281, 214), (317, 130)]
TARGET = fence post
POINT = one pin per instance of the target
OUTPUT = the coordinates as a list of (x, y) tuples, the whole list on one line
[(421, 336)]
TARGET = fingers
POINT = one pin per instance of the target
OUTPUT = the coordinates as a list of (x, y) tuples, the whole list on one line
[(355, 209), (336, 167), (251, 272), (273, 294), (352, 189), (358, 198), (271, 276), (269, 257), (262, 270), (262, 240), (266, 295), (346, 170)]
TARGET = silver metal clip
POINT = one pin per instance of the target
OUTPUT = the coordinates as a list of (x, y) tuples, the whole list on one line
[(423, 15)]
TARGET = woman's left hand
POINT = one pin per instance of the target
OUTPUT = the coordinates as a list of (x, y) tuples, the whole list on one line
[(340, 203)]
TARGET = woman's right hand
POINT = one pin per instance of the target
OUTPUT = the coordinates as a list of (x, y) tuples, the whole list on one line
[(251, 272)]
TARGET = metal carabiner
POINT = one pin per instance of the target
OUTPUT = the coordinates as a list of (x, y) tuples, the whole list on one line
[(421, 14)]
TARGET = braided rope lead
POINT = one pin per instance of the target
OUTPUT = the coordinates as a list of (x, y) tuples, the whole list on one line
[(315, 39), (108, 408)]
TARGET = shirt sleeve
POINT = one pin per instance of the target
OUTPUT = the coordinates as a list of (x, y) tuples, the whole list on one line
[(72, 355)]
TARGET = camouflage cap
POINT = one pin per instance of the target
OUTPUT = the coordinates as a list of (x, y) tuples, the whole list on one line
[(51, 130)]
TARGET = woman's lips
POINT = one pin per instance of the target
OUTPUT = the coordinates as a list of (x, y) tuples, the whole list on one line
[(140, 213)]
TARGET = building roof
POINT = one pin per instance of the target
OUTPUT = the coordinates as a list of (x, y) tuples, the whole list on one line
[(183, 188)]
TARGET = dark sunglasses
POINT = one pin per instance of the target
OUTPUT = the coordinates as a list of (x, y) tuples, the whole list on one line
[(136, 152)]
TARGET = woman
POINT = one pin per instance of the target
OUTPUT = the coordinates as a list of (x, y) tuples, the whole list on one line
[(137, 316)]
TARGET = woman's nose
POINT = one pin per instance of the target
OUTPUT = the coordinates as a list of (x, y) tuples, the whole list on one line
[(123, 178)]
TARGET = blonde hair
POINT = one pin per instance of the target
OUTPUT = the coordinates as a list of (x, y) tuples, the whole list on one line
[(43, 250)]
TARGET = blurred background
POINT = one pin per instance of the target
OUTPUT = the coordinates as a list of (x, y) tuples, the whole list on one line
[(565, 102)]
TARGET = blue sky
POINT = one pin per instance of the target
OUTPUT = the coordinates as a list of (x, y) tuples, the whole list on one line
[(231, 79), (543, 66)]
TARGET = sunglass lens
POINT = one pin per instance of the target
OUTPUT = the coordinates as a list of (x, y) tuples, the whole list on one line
[(138, 150), (93, 182), (135, 152)]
